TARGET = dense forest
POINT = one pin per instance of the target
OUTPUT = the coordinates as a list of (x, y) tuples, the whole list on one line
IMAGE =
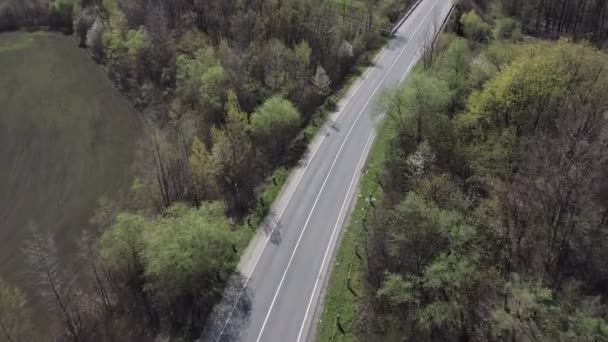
[(231, 91), (578, 19), (33, 14), (493, 221)]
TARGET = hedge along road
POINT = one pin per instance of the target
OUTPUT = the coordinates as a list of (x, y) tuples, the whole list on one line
[(277, 289)]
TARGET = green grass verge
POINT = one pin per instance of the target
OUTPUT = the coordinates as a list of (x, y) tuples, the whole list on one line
[(339, 300)]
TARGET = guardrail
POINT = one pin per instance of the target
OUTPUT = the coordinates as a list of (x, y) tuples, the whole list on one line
[(445, 22), (403, 19)]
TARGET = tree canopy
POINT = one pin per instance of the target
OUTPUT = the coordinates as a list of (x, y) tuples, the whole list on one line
[(180, 259), (273, 125), (492, 221)]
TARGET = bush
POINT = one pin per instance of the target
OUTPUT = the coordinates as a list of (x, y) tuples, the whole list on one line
[(475, 28), (508, 28), (273, 126)]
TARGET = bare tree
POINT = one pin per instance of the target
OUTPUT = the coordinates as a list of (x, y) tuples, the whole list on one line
[(428, 44), (56, 283), (89, 254)]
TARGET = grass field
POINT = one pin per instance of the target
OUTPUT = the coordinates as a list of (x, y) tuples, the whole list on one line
[(67, 137)]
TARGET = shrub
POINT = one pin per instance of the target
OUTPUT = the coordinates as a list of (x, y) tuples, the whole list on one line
[(475, 28), (508, 28)]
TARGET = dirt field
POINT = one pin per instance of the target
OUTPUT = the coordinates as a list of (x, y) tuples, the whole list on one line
[(67, 137)]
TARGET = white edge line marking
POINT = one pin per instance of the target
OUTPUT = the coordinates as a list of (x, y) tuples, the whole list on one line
[(336, 226), (365, 152), (314, 205), (316, 147), (312, 155), (331, 168)]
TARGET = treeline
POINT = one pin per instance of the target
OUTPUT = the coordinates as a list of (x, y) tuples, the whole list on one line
[(585, 19), (35, 14), (493, 223), (579, 19)]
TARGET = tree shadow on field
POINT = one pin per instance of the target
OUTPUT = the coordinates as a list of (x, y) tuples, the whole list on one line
[(231, 315)]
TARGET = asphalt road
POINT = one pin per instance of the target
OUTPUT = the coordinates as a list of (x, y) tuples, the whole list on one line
[(277, 289)]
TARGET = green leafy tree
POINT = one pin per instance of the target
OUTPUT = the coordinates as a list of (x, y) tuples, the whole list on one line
[(475, 28), (454, 67), (397, 290), (523, 99), (435, 275), (301, 73), (419, 108), (273, 125), (531, 310), (456, 291), (125, 49), (416, 233), (501, 54), (136, 43), (114, 39), (233, 159), (185, 248), (121, 42), (170, 268), (502, 239), (187, 255), (201, 169), (522, 95), (211, 90), (121, 245), (201, 84), (275, 60), (508, 29)]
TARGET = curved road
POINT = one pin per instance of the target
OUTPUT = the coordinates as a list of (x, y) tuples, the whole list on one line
[(277, 287)]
